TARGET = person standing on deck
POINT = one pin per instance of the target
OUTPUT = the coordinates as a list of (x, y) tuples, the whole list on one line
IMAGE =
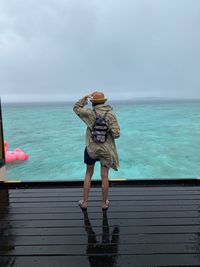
[(105, 151)]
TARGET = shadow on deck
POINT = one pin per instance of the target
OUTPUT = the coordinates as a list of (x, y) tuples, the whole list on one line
[(147, 224)]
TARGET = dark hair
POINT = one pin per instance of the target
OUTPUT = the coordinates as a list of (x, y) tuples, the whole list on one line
[(95, 104)]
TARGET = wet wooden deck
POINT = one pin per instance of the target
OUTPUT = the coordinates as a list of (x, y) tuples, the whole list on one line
[(144, 226)]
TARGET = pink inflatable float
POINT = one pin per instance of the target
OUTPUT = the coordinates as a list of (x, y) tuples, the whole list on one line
[(17, 154)]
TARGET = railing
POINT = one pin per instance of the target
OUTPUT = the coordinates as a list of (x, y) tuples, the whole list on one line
[(2, 152)]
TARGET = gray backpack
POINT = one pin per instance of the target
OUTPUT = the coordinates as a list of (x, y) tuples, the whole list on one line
[(100, 129)]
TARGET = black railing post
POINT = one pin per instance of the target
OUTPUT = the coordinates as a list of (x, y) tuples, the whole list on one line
[(2, 150)]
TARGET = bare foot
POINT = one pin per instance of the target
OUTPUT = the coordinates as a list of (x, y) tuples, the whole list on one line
[(82, 204), (105, 205)]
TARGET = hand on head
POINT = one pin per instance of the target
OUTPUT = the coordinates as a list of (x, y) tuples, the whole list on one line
[(91, 94)]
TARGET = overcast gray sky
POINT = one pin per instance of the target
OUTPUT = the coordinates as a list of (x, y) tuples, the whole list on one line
[(61, 50)]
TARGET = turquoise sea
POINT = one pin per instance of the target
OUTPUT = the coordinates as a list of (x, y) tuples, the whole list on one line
[(158, 140)]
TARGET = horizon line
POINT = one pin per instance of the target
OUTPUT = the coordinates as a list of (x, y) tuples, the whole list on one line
[(136, 99)]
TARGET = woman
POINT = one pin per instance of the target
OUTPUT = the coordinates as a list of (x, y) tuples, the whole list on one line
[(104, 152)]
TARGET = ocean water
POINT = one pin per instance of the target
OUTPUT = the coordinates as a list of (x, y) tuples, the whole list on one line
[(158, 140)]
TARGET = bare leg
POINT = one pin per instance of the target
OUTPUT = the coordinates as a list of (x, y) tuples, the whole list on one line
[(105, 185), (87, 183)]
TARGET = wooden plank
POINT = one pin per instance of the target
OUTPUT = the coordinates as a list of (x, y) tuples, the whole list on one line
[(98, 198), (47, 261), (166, 229), (98, 216), (28, 194), (112, 209), (119, 249), (114, 203), (83, 239), (161, 260), (121, 222), (111, 189)]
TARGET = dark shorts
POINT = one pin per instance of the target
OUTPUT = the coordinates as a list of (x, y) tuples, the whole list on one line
[(87, 159)]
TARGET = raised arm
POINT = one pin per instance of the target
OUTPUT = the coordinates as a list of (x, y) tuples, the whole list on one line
[(84, 113), (79, 107)]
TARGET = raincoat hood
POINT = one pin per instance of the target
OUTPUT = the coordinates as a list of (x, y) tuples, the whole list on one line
[(102, 107)]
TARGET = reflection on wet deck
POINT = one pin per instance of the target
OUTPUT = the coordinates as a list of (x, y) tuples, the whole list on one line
[(144, 226)]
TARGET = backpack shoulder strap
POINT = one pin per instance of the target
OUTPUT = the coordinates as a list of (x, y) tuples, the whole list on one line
[(95, 112), (105, 114)]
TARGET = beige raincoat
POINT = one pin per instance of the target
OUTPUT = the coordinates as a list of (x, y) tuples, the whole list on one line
[(105, 152)]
